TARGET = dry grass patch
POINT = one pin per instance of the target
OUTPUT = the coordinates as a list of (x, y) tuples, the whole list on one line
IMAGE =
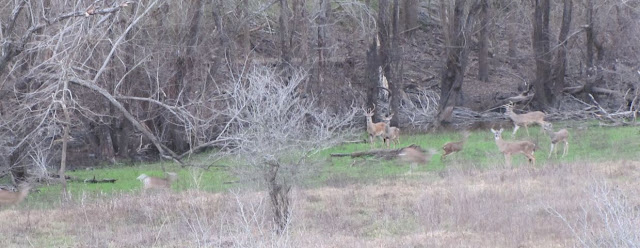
[(554, 206)]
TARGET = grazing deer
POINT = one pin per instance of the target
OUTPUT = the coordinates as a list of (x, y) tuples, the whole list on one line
[(156, 182), (514, 147), (561, 135), (415, 155), (523, 119), (374, 129), (391, 134), (10, 198), (452, 147)]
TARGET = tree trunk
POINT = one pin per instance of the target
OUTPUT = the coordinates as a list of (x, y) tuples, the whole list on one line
[(280, 197), (411, 8), (65, 139), (512, 51), (453, 73), (245, 42), (561, 59), (541, 49), (179, 90), (395, 65), (322, 21), (483, 65), (590, 38), (283, 21)]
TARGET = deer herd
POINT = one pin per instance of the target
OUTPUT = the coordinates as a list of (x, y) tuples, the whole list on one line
[(415, 155), (383, 130)]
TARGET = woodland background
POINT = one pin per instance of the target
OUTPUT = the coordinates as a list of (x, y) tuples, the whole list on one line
[(87, 82)]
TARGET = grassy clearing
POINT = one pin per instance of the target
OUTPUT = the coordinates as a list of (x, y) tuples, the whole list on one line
[(587, 143), (357, 202)]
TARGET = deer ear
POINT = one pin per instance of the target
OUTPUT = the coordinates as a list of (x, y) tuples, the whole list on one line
[(501, 129), (493, 131)]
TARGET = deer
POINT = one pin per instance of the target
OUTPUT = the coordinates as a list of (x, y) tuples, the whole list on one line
[(561, 135), (524, 119), (391, 134), (508, 148), (8, 198), (415, 155), (456, 146), (374, 129), (156, 182)]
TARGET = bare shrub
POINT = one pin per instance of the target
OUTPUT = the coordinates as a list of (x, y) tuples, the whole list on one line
[(607, 220), (273, 130), (422, 111)]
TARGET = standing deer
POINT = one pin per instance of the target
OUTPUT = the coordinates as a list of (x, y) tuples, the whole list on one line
[(561, 135), (415, 155), (452, 147), (10, 198), (374, 129), (514, 147), (391, 134), (156, 182), (523, 119)]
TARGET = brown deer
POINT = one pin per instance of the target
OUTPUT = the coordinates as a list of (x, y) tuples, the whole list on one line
[(374, 129), (415, 155), (457, 146), (391, 134), (527, 148), (8, 198), (561, 135), (524, 119), (156, 182)]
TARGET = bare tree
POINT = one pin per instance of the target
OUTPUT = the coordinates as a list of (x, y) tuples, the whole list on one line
[(483, 54), (274, 131), (456, 62), (542, 52), (561, 57)]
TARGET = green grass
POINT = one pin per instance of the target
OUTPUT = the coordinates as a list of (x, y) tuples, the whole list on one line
[(587, 143)]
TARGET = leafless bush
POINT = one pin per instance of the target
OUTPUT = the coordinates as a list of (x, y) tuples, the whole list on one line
[(360, 14), (273, 130), (423, 110), (608, 220)]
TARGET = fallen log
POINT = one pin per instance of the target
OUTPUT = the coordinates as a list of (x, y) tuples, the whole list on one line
[(577, 89), (105, 180), (382, 153)]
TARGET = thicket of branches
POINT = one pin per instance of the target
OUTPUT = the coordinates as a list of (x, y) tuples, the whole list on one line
[(115, 80)]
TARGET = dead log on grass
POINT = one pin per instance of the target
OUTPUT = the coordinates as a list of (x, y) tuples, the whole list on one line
[(105, 180), (380, 153)]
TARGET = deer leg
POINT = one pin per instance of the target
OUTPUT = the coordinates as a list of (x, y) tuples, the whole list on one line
[(444, 155), (532, 159), (515, 129), (507, 159), (551, 151), (566, 149), (527, 129)]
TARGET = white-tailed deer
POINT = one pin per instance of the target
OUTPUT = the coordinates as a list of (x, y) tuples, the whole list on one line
[(415, 155), (527, 148), (156, 182), (457, 146), (561, 135), (391, 134), (8, 198), (374, 129), (524, 119)]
